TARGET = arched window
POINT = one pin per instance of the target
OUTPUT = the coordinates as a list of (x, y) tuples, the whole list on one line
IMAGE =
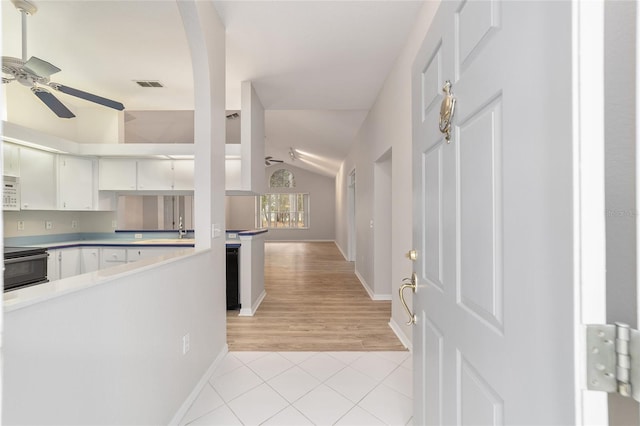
[(282, 178), (284, 209)]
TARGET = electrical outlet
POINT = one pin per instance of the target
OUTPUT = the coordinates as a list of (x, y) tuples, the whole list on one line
[(114, 224), (186, 344), (21, 225), (74, 223), (48, 224), (137, 236)]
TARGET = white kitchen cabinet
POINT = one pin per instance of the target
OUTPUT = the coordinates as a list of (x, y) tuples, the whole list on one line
[(112, 257), (53, 265), (69, 262), (183, 175), (89, 259), (38, 183), (155, 175), (75, 183), (11, 159), (135, 254), (117, 174)]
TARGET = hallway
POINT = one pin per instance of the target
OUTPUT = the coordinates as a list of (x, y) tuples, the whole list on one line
[(318, 351), (314, 302)]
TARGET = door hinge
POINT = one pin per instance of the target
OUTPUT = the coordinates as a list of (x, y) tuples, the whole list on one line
[(613, 359)]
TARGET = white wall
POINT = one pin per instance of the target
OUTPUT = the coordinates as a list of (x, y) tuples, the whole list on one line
[(388, 125), (112, 354), (382, 223), (241, 212), (91, 124)]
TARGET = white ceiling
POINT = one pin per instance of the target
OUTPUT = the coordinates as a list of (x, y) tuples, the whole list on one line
[(317, 66)]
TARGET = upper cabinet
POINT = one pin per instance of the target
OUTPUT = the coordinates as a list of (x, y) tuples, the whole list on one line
[(38, 183), (117, 174), (120, 174), (245, 174), (155, 175), (183, 171), (11, 159), (75, 183)]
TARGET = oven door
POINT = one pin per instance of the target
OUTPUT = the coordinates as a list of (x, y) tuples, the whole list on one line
[(25, 271)]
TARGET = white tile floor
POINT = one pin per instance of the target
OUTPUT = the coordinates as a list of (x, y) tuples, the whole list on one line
[(307, 388)]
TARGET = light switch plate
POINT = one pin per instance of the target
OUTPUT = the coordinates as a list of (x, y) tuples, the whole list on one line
[(48, 224)]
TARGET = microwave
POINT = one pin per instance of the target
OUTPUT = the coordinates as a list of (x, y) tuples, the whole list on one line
[(11, 193)]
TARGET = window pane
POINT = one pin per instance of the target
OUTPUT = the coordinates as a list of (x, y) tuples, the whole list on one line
[(284, 210)]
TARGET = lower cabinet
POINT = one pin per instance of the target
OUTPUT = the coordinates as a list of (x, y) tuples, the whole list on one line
[(67, 262), (112, 256), (135, 254), (53, 265), (89, 259)]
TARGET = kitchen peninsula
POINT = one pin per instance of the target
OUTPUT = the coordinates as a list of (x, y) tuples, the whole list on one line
[(80, 261)]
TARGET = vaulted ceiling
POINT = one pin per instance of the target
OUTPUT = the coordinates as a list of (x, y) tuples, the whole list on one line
[(317, 66)]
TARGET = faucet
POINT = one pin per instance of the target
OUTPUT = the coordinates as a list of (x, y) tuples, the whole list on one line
[(181, 230)]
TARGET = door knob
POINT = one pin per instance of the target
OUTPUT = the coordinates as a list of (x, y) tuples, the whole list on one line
[(412, 255), (411, 283)]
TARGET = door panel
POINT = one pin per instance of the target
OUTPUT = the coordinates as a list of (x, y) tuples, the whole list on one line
[(493, 217), (480, 286)]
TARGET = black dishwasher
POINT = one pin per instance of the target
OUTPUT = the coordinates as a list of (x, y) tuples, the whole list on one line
[(233, 294)]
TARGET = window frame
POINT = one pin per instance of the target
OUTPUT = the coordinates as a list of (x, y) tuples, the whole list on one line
[(267, 223)]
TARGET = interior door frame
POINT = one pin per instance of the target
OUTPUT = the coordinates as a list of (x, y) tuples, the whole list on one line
[(589, 195)]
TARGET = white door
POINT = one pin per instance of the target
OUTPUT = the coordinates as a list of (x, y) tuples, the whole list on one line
[(493, 231)]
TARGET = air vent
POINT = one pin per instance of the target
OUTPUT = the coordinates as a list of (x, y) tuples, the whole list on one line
[(149, 83)]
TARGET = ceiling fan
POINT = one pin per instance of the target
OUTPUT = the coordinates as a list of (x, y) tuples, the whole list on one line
[(270, 161), (35, 72)]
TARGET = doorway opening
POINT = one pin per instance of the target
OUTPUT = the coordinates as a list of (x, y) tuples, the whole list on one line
[(351, 215)]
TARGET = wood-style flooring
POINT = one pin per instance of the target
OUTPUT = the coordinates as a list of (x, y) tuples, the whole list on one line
[(314, 302)]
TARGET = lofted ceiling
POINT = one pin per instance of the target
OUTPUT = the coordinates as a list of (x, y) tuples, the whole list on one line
[(317, 66)]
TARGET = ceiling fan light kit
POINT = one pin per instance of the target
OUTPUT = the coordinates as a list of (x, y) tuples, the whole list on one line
[(35, 72)]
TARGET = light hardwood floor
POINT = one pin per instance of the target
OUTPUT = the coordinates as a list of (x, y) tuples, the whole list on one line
[(314, 303)]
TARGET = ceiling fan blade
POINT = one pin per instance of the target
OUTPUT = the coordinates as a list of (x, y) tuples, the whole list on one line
[(87, 96), (53, 103), (39, 67)]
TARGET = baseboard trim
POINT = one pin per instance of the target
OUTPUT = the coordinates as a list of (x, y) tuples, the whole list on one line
[(249, 312), (184, 408), (364, 284), (401, 336), (370, 292), (341, 251)]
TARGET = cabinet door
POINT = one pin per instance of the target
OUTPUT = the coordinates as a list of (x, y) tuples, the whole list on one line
[(69, 262), (183, 175), (155, 175), (11, 159), (136, 254), (53, 265), (112, 256), (89, 259), (75, 183), (38, 180), (117, 174)]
